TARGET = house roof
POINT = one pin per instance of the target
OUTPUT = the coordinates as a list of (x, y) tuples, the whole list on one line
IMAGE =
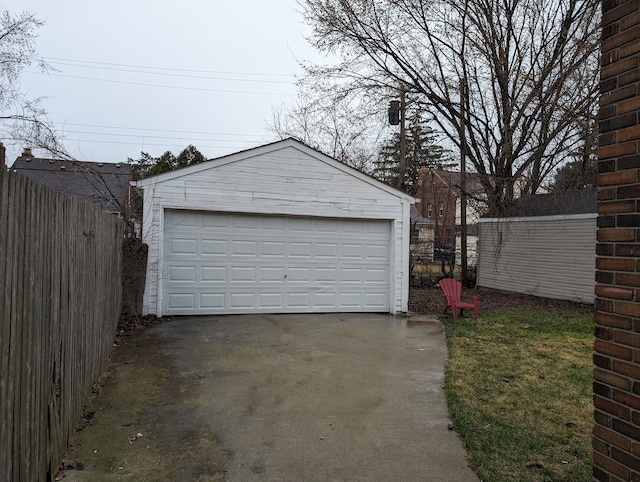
[(267, 148), (418, 218), (556, 204), (453, 180), (102, 184)]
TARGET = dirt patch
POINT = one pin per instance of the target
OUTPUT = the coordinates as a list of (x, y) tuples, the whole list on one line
[(137, 419), (129, 324), (430, 300)]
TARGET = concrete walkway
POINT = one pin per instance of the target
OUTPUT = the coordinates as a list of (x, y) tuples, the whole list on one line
[(331, 397)]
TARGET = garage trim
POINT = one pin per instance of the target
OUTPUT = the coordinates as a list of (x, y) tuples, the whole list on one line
[(217, 262)]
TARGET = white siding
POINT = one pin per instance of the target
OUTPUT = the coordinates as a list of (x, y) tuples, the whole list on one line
[(284, 178), (551, 257)]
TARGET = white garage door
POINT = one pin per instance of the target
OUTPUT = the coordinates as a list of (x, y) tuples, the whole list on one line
[(236, 263)]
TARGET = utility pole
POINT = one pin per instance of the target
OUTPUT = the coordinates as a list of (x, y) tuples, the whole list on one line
[(397, 115), (463, 188), (403, 137)]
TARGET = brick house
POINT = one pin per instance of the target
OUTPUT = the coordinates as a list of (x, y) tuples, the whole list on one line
[(438, 204), (616, 434), (439, 194)]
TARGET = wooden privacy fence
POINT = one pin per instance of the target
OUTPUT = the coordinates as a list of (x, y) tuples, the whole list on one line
[(60, 283)]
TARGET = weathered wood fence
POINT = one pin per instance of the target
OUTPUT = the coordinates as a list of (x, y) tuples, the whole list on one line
[(60, 289)]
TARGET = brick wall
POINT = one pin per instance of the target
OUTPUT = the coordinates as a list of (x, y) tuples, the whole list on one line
[(616, 435), (432, 190)]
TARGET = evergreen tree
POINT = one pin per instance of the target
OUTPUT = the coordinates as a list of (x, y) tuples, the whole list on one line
[(582, 172), (148, 166), (575, 175), (421, 150)]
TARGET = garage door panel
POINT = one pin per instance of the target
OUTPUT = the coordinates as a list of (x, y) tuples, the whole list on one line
[(351, 275), (271, 275), (184, 246), (327, 301), (245, 223), (352, 251), (327, 275), (226, 263), (242, 274), (327, 227), (273, 225), (243, 301), (183, 273), (376, 276), (213, 302), (213, 274), (183, 301), (327, 250), (350, 299), (300, 250), (377, 251), (375, 299), (299, 275), (271, 300), (214, 247), (274, 249), (302, 226), (298, 300), (377, 229), (244, 248), (186, 222), (216, 222), (350, 226)]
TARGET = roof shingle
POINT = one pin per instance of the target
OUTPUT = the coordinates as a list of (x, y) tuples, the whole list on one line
[(102, 184)]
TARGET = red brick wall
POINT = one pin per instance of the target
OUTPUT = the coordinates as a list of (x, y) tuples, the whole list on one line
[(433, 190), (616, 435)]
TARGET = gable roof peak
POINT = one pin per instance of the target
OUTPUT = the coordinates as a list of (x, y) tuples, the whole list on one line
[(289, 143)]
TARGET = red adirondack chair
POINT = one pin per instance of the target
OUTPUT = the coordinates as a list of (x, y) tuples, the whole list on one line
[(452, 289)]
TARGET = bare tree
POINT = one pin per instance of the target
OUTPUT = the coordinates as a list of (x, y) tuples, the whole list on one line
[(527, 70), (344, 123), (23, 121)]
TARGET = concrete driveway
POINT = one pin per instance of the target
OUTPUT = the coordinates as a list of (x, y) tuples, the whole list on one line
[(330, 397)]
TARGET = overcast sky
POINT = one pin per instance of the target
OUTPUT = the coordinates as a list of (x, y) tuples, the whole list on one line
[(155, 76)]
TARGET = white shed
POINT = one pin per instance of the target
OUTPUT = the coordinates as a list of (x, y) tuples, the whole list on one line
[(549, 250), (280, 228)]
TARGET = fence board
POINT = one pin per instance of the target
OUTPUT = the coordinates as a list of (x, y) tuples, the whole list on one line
[(60, 279), (5, 331)]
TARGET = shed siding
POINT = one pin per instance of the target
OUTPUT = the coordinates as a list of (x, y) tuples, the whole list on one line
[(551, 258), (285, 181)]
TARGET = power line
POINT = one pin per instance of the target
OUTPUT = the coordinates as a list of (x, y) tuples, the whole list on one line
[(145, 144), (143, 84), (146, 136), (45, 59), (153, 130), (168, 74)]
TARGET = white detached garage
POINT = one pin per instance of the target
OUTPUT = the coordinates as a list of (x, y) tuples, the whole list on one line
[(280, 228)]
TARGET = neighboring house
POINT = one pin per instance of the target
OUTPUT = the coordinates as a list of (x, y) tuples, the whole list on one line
[(546, 249), (280, 228), (439, 194), (422, 229), (422, 239), (106, 185)]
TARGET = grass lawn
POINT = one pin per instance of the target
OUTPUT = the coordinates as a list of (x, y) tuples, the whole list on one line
[(519, 389)]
